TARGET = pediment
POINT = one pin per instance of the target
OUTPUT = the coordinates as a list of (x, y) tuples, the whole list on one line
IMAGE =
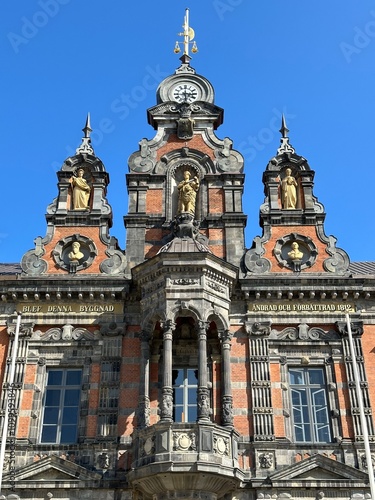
[(318, 468), (53, 469)]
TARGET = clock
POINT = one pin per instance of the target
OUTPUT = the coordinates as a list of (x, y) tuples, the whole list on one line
[(185, 92)]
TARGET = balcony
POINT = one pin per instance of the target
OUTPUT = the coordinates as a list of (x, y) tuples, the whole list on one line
[(182, 457)]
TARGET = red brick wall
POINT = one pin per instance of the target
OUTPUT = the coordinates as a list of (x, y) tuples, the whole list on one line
[(174, 142), (216, 201)]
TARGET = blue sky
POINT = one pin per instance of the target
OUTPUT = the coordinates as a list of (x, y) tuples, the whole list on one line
[(314, 61)]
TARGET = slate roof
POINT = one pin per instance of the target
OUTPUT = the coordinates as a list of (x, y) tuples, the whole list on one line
[(10, 269), (362, 268)]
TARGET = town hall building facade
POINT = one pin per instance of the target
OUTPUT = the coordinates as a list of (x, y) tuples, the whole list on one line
[(187, 366)]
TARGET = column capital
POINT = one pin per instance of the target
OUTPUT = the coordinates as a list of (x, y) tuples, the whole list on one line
[(225, 336), (167, 326), (144, 335)]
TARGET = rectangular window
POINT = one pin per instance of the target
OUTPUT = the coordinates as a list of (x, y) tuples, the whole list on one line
[(110, 371), (61, 406), (107, 424), (108, 397), (309, 405), (185, 385)]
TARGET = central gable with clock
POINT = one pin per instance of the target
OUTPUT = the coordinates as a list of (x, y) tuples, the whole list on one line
[(185, 182)]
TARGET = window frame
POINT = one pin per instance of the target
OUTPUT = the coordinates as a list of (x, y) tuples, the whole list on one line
[(57, 421), (309, 410), (185, 387)]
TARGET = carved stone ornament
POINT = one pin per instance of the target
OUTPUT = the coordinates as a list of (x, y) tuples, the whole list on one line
[(228, 160), (116, 263), (227, 410), (185, 124), (296, 252), (149, 445), (265, 460), (32, 262), (253, 262), (356, 327), (103, 461), (185, 281), (204, 410), (258, 328), (112, 329), (143, 412), (26, 329), (338, 262), (143, 160), (74, 253), (184, 441), (221, 445), (304, 332), (166, 410), (66, 333)]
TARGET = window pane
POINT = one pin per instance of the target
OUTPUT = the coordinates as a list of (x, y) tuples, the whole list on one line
[(51, 415), (319, 397), (298, 431), (73, 377), (296, 377), (316, 377), (192, 414), (324, 434), (55, 377), (178, 377), (178, 411), (68, 434), (53, 397), (49, 434), (72, 397), (70, 415), (178, 396), (192, 377), (192, 395)]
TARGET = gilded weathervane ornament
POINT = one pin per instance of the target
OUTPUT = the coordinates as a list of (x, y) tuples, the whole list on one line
[(188, 35)]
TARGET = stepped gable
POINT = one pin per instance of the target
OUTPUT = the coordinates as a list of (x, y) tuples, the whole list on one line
[(292, 220), (78, 222)]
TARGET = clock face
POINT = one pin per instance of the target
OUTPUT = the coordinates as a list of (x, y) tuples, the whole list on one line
[(185, 92)]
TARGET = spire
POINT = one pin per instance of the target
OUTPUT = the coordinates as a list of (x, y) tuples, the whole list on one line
[(188, 35), (284, 129), (86, 147), (285, 147)]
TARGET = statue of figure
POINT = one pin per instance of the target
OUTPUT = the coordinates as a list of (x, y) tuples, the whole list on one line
[(187, 190), (81, 191), (295, 253), (288, 190), (76, 253)]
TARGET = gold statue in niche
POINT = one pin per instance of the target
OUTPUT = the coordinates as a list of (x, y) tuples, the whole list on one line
[(81, 191), (289, 190), (187, 193)]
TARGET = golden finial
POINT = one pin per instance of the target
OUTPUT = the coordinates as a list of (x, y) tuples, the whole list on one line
[(188, 35)]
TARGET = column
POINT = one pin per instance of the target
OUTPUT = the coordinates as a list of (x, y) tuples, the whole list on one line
[(144, 389), (166, 410), (226, 399), (204, 410)]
